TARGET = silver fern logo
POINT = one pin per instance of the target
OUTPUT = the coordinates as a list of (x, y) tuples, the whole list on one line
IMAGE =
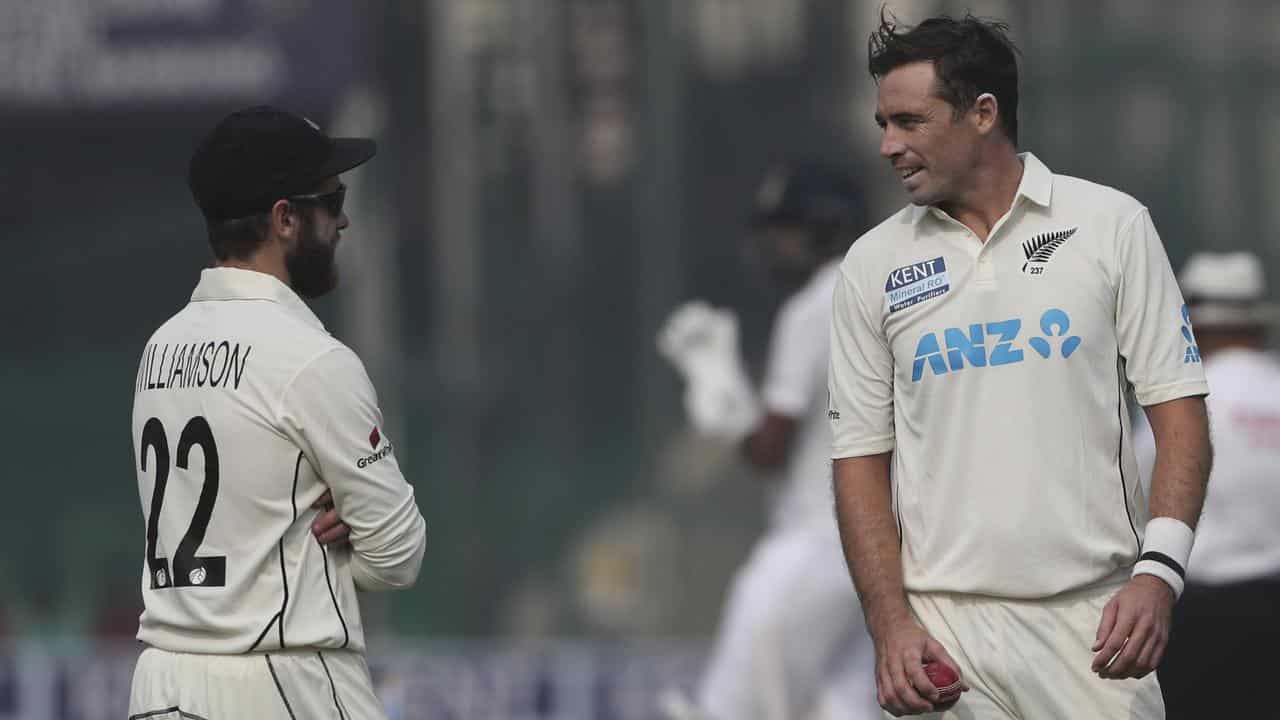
[(1040, 248)]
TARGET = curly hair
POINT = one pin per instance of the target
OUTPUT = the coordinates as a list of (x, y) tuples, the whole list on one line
[(970, 56)]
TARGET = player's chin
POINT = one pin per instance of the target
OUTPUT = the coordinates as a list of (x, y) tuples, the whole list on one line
[(924, 195)]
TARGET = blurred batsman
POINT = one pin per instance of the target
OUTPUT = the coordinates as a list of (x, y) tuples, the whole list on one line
[(791, 642), (270, 490), (1228, 622)]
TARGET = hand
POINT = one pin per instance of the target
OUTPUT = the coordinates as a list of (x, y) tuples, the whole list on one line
[(328, 527), (699, 339), (1134, 630), (702, 343), (902, 687)]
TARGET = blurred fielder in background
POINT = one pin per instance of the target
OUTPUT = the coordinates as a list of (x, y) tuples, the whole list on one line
[(260, 449), (791, 627), (1227, 624), (985, 338)]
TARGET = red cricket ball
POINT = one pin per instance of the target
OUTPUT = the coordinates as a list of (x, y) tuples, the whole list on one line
[(947, 682)]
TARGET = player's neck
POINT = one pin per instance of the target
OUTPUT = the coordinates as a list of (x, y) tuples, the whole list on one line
[(264, 261), (993, 187)]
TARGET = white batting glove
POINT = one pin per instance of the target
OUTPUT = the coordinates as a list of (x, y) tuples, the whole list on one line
[(702, 343)]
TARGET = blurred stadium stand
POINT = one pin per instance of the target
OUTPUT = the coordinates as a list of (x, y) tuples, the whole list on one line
[(553, 177)]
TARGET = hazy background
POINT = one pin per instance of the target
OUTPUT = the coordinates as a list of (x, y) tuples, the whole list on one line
[(553, 177)]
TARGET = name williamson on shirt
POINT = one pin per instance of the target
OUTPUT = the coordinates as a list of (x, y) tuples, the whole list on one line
[(203, 364)]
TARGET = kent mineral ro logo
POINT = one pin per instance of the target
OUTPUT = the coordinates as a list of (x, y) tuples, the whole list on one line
[(916, 283)]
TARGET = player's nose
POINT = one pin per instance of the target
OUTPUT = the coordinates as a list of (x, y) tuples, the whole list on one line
[(890, 146)]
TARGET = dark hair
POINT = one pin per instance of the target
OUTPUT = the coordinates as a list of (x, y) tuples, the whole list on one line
[(238, 238), (970, 56)]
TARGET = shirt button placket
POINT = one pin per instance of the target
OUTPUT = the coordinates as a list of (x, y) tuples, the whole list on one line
[(986, 268)]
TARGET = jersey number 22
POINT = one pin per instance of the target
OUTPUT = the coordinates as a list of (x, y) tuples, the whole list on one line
[(188, 569)]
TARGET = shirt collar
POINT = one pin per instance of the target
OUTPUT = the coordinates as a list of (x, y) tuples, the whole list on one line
[(225, 283), (1037, 180), (1036, 185)]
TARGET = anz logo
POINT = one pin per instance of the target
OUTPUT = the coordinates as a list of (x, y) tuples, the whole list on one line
[(1192, 353), (991, 344)]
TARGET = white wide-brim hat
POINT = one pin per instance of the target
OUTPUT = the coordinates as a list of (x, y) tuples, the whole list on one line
[(1226, 290)]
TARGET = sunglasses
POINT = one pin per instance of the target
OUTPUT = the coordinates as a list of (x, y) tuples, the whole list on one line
[(330, 201)]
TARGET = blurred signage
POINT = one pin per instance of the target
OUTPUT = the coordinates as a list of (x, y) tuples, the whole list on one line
[(556, 681), (60, 53)]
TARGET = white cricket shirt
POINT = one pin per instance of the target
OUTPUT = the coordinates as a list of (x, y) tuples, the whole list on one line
[(795, 385), (996, 373), (1237, 538), (245, 411)]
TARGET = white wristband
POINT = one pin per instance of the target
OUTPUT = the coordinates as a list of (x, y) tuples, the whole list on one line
[(1165, 551)]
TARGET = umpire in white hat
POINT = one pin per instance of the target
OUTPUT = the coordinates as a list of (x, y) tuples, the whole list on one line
[(1227, 622)]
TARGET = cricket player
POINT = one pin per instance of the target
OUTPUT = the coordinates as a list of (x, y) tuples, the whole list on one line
[(1227, 623), (791, 644), (269, 487), (984, 339)]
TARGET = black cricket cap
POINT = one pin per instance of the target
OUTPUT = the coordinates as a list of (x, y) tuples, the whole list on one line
[(809, 193), (262, 154)]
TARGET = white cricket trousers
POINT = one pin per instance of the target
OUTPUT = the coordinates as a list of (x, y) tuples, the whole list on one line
[(1031, 659), (289, 685)]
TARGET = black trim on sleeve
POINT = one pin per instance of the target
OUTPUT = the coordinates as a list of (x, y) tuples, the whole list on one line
[(1124, 486), (167, 711), (334, 688), (284, 578), (297, 465), (897, 502), (279, 689), (346, 635), (284, 603), (1164, 560), (284, 575)]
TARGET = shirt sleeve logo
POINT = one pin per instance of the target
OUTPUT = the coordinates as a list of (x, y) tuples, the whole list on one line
[(1040, 248), (915, 283), (1192, 353), (375, 438)]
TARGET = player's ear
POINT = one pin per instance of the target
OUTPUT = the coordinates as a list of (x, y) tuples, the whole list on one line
[(985, 113), (284, 219)]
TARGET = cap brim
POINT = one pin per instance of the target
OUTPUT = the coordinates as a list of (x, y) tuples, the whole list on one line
[(347, 154), (1219, 316)]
